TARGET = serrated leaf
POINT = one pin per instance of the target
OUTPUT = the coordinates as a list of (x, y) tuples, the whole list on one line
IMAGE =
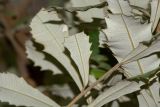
[(16, 91), (39, 59), (124, 34), (52, 37), (89, 14), (79, 47), (120, 89), (126, 39)]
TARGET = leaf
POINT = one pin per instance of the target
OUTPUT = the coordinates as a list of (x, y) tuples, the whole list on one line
[(147, 77), (120, 89), (52, 37), (79, 47), (119, 7), (140, 3), (124, 35), (144, 49), (126, 39), (146, 100), (92, 13), (16, 91), (155, 13), (39, 59)]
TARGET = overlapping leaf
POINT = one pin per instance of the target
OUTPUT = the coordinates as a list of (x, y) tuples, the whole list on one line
[(153, 5), (89, 14), (124, 34), (52, 37), (140, 3), (120, 89), (79, 47), (16, 91), (39, 59), (126, 39)]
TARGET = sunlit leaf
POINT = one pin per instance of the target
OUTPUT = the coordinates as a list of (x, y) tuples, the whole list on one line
[(119, 7), (124, 34), (140, 3), (155, 13), (16, 91), (79, 47), (120, 89), (39, 59), (52, 37), (89, 14)]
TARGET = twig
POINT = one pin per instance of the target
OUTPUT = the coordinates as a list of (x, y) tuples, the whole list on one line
[(106, 75), (73, 9)]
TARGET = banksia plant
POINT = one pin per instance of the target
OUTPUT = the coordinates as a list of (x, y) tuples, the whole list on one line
[(79, 53)]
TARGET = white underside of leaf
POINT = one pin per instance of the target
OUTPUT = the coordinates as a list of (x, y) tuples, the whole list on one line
[(79, 47), (140, 3), (120, 89), (155, 13), (39, 59), (52, 37), (89, 14), (128, 33), (124, 35), (16, 91), (119, 7), (150, 97)]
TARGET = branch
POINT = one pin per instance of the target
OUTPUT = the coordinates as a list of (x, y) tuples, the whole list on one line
[(106, 75), (73, 9)]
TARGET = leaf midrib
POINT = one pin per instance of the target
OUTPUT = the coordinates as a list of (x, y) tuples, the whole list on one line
[(12, 90), (133, 46), (81, 59)]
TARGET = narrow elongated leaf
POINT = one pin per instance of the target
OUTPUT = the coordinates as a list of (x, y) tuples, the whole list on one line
[(124, 35), (145, 100), (120, 89), (143, 50), (155, 13), (126, 39), (91, 13), (79, 47), (16, 91), (52, 37), (39, 59)]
